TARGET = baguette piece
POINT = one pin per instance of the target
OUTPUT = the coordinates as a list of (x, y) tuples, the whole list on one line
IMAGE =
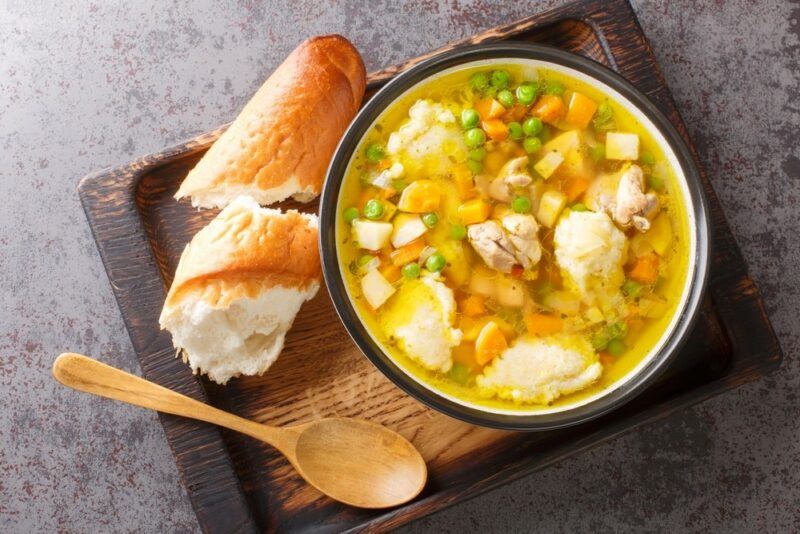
[(281, 143), (238, 286)]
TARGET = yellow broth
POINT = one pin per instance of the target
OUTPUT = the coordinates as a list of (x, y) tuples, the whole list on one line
[(455, 93)]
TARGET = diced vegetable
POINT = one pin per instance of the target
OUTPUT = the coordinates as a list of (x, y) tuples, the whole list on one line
[(543, 324), (430, 219), (500, 79), (580, 110), (616, 347), (407, 227), (458, 231), (495, 129), (622, 146), (490, 343), (472, 306), (575, 188), (470, 118), (373, 209), (554, 87), (526, 93), (435, 262), (549, 108), (494, 161), (482, 281), (632, 288), (474, 211), (506, 98), (521, 205), (532, 144), (645, 269), (510, 292), (376, 288), (420, 196), (563, 302), (462, 177), (459, 373), (409, 252), (515, 130), (532, 126), (564, 143), (660, 235), (479, 81), (390, 272), (500, 210), (350, 214), (604, 118), (550, 207), (410, 271), (375, 152), (489, 108), (594, 315), (371, 235), (549, 163), (475, 137)]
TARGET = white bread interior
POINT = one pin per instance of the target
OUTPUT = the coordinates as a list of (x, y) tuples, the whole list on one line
[(281, 143), (238, 287)]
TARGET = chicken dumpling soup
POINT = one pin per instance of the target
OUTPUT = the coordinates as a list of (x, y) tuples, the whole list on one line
[(512, 237)]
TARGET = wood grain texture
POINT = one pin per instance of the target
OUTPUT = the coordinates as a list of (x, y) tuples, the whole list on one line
[(238, 484)]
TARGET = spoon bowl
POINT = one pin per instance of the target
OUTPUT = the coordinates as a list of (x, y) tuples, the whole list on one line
[(353, 461)]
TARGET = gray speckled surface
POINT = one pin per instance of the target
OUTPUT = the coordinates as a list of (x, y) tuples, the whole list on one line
[(89, 85)]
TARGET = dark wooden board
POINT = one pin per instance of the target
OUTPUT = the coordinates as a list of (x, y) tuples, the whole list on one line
[(238, 485)]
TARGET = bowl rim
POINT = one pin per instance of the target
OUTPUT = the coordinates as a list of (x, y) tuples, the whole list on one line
[(334, 279)]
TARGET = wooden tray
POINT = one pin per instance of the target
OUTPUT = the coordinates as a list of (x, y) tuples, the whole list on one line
[(238, 485)]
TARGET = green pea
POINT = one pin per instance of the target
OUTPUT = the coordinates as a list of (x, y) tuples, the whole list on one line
[(506, 98), (531, 144), (515, 130), (616, 347), (410, 271), (647, 158), (598, 152), (632, 288), (655, 182), (521, 205), (600, 340), (479, 81), (458, 231), (579, 206), (435, 262), (350, 214), (553, 87), (474, 137), (526, 93), (375, 153), (430, 219), (470, 118), (617, 330), (475, 166), (500, 79), (459, 373), (365, 259), (477, 154), (373, 209), (532, 126)]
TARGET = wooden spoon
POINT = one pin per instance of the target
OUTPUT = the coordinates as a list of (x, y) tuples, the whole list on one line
[(353, 461)]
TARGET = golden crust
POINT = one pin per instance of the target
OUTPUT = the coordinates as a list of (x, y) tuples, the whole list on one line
[(244, 250), (282, 141)]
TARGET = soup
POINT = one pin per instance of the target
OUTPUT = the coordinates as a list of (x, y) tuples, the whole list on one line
[(512, 237)]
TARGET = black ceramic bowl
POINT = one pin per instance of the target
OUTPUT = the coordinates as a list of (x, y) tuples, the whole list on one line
[(661, 129)]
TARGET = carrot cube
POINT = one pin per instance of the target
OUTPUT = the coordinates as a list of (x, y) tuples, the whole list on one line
[(580, 110), (549, 108)]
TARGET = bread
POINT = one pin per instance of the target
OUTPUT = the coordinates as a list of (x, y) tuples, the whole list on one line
[(281, 143), (238, 286)]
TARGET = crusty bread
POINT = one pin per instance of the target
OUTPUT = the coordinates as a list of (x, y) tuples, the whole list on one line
[(281, 143), (238, 286)]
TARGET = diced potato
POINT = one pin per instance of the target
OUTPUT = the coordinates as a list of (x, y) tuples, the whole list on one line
[(640, 245), (580, 110), (622, 146), (474, 211), (371, 235), (550, 207), (563, 302), (510, 292), (500, 210), (543, 324), (376, 288), (549, 108), (495, 129), (483, 282), (660, 234), (564, 142), (408, 253), (594, 315), (407, 227), (490, 343), (494, 161), (549, 163), (420, 196), (489, 108)]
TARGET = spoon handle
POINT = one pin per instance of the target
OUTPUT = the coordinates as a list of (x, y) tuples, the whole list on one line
[(88, 375)]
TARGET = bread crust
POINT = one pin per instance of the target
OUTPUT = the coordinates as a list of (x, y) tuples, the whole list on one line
[(244, 250), (281, 143)]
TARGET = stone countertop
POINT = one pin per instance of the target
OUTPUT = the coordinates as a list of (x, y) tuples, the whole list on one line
[(89, 85)]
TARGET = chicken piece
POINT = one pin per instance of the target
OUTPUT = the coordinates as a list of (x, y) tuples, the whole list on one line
[(492, 245), (622, 196), (500, 190), (515, 172), (522, 234), (632, 205)]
